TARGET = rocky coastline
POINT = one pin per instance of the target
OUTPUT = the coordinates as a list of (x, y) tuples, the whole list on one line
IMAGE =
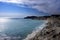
[(51, 31)]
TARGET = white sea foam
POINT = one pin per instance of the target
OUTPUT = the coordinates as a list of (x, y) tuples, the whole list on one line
[(4, 36), (34, 32)]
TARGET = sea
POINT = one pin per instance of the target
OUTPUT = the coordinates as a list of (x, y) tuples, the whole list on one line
[(18, 29)]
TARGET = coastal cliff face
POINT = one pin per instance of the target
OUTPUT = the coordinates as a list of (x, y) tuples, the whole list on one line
[(51, 31)]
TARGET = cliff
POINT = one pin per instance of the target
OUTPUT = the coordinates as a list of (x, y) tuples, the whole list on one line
[(51, 31)]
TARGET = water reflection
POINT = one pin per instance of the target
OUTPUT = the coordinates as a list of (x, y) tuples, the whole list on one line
[(3, 21), (17, 29), (3, 27)]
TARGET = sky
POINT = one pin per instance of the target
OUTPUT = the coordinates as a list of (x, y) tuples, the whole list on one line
[(22, 8)]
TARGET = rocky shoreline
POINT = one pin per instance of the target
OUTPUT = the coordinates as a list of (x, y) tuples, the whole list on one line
[(51, 31)]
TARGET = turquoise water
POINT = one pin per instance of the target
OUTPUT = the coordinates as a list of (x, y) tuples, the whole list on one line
[(19, 27)]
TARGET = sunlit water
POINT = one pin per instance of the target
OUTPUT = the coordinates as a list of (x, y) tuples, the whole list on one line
[(17, 29)]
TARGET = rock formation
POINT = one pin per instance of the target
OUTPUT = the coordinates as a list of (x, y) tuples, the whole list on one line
[(51, 31)]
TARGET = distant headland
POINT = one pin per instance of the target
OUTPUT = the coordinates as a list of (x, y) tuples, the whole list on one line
[(40, 17)]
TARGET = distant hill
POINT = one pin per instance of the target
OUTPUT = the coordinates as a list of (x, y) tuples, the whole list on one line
[(40, 17)]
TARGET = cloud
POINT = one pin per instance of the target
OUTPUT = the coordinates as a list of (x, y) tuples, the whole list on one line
[(47, 6), (11, 1)]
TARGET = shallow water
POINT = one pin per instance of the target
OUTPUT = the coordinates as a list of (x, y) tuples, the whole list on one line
[(18, 29)]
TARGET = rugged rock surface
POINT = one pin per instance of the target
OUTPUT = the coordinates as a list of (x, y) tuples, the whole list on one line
[(51, 31)]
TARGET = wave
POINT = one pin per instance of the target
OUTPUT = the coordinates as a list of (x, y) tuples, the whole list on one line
[(6, 37), (34, 32)]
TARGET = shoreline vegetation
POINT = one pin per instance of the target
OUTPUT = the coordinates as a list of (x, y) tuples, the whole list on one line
[(51, 31)]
